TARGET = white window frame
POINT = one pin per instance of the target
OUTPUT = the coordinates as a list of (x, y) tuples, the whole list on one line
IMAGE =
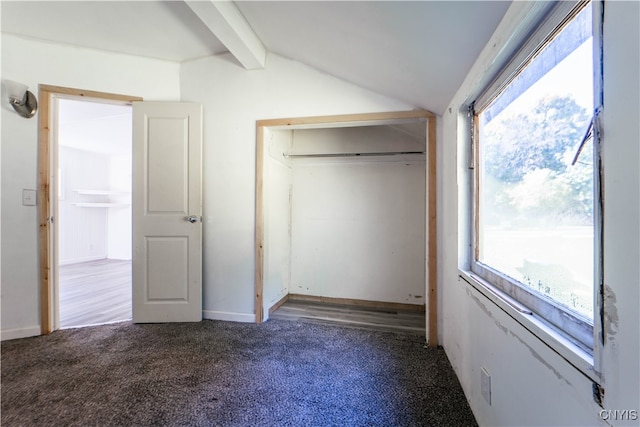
[(553, 326)]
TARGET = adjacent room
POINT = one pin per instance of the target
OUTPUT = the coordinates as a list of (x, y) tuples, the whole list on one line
[(320, 213), (94, 213)]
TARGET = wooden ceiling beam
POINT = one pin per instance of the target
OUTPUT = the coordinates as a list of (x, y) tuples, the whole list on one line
[(227, 23)]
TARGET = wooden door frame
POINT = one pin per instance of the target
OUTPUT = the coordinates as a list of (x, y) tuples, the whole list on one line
[(46, 120), (364, 120)]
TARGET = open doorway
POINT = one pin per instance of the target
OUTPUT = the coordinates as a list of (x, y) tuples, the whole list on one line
[(50, 192), (92, 250), (346, 214)]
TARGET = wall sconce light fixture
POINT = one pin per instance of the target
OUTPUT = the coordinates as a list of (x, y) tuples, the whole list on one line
[(23, 101)]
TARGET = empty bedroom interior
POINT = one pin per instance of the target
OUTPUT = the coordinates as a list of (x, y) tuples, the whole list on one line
[(317, 182)]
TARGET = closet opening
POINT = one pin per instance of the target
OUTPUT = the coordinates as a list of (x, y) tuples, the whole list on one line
[(345, 214)]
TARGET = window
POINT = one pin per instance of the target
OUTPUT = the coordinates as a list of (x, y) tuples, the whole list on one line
[(535, 181)]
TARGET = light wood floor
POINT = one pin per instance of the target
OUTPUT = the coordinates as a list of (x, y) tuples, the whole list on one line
[(354, 316), (94, 292)]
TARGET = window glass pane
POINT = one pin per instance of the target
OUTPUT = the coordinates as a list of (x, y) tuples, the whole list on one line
[(536, 210)]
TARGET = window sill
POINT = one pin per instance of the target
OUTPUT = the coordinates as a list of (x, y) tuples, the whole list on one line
[(550, 336)]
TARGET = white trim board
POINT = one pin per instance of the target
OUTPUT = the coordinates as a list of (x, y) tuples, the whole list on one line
[(13, 334), (228, 316)]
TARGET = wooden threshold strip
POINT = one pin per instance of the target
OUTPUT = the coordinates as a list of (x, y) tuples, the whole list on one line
[(278, 304)]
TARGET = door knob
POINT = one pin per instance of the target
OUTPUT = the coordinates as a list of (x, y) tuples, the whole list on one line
[(192, 219)]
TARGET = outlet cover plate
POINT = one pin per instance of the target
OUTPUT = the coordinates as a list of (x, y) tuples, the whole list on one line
[(485, 384)]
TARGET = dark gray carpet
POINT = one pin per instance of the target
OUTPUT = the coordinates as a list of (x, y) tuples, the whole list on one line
[(281, 373)]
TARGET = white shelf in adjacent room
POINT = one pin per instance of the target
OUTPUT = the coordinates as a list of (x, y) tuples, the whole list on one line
[(102, 192), (101, 205)]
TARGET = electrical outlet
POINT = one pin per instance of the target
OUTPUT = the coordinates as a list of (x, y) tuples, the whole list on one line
[(485, 384)]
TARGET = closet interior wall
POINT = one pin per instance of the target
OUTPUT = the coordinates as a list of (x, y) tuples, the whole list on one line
[(344, 225)]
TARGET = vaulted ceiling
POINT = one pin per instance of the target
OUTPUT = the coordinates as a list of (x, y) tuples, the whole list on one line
[(417, 51)]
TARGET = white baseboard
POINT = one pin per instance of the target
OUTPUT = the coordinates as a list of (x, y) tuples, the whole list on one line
[(230, 317), (13, 334)]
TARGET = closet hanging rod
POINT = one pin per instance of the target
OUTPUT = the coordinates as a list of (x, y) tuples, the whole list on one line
[(388, 153)]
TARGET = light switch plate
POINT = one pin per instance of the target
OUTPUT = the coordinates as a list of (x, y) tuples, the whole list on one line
[(28, 197)]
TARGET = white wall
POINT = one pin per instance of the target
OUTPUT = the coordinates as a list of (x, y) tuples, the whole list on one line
[(92, 233), (358, 230), (621, 154), (233, 100), (102, 132), (358, 224), (33, 63), (119, 219), (82, 231), (531, 384), (277, 190)]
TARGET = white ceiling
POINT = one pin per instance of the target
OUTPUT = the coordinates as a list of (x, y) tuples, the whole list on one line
[(158, 29), (416, 51)]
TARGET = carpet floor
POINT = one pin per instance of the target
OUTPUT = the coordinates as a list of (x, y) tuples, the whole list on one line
[(280, 373)]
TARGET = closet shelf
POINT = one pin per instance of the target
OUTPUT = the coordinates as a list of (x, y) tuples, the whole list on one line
[(101, 205), (385, 153), (102, 192)]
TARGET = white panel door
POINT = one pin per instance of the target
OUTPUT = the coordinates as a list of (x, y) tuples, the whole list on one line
[(167, 209)]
